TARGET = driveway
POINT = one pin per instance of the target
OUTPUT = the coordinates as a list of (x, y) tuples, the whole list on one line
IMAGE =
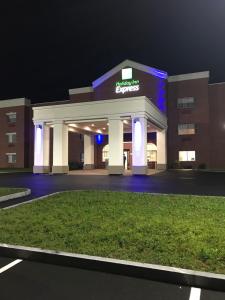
[(175, 182), (34, 280)]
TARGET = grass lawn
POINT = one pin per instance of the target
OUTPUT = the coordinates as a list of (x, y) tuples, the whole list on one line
[(15, 170), (8, 191), (181, 231)]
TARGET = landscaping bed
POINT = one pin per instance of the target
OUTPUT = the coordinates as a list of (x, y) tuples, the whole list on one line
[(173, 230)]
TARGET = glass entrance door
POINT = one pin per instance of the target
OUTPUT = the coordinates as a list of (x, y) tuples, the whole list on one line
[(126, 156)]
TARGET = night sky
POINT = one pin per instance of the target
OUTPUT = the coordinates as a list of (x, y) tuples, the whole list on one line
[(48, 47)]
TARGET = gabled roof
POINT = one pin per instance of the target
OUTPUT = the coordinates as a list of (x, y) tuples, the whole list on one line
[(132, 64)]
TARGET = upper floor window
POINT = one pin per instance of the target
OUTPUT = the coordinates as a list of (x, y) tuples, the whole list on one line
[(11, 158), (11, 137), (11, 117), (184, 129), (188, 102)]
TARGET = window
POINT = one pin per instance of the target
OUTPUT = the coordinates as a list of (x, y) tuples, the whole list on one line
[(11, 117), (186, 155), (11, 158), (186, 102), (11, 137), (186, 129), (151, 152), (105, 153)]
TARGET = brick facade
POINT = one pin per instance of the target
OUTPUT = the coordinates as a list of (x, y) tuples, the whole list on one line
[(207, 114)]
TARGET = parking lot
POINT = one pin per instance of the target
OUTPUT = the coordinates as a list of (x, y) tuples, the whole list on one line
[(31, 280), (35, 280)]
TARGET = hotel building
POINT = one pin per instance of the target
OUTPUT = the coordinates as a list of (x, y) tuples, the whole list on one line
[(133, 117)]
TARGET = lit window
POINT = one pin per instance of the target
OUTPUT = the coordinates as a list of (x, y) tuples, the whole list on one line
[(186, 129), (151, 152), (105, 153), (11, 117), (11, 137), (186, 155), (185, 102), (11, 158), (126, 73)]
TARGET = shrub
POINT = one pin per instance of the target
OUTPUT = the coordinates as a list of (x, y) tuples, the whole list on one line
[(202, 166), (74, 165)]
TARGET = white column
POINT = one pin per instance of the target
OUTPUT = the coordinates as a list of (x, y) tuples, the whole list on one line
[(60, 148), (139, 146), (88, 151), (161, 150), (41, 148), (115, 165)]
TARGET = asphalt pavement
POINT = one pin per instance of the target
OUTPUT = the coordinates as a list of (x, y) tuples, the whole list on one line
[(175, 182), (39, 281), (34, 280)]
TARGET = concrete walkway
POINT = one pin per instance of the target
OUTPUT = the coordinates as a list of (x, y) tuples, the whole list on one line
[(104, 172)]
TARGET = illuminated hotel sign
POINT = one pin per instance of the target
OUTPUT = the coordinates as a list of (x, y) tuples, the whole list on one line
[(127, 84)]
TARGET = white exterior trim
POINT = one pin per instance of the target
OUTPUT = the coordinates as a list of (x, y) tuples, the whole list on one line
[(10, 153), (10, 113), (103, 109), (83, 90), (14, 102), (132, 64), (10, 133), (189, 76)]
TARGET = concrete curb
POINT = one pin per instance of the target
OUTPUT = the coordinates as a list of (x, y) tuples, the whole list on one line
[(56, 193), (15, 195), (203, 280), (32, 200), (59, 192)]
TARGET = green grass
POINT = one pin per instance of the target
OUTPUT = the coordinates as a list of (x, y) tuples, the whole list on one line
[(181, 231), (15, 170), (8, 191)]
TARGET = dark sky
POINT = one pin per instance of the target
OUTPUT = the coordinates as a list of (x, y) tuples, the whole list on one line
[(47, 47)]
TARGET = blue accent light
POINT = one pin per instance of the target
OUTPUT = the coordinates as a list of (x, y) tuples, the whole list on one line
[(99, 139), (161, 96)]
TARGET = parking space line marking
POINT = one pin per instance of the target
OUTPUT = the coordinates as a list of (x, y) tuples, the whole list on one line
[(12, 264), (195, 294)]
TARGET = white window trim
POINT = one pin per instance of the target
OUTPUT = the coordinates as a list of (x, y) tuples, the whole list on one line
[(182, 104), (10, 113), (10, 135), (186, 126), (11, 154), (12, 117)]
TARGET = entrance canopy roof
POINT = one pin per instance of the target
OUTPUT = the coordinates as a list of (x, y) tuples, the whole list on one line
[(123, 108), (101, 126)]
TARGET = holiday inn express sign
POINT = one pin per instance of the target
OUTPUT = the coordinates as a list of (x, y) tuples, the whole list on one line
[(127, 84)]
